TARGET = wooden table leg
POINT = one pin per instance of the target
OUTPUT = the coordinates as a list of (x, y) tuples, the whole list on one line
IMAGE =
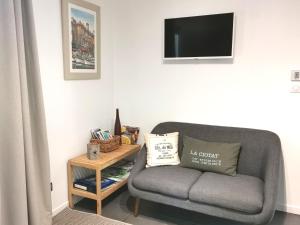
[(99, 209), (136, 207), (70, 185), (98, 191)]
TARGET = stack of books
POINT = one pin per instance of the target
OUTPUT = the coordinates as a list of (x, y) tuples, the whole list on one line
[(89, 183), (109, 176)]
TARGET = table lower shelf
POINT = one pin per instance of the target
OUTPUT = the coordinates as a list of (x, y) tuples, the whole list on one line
[(104, 193)]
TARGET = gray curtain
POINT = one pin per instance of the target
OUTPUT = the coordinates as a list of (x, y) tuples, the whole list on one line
[(24, 158)]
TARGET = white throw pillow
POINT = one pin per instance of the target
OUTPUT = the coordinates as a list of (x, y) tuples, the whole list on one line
[(162, 149)]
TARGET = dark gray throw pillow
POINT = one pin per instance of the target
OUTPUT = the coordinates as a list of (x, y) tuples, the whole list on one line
[(210, 156)]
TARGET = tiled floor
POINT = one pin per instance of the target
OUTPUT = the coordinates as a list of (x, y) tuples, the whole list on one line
[(119, 206)]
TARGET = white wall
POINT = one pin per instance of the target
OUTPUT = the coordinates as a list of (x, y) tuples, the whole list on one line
[(72, 107), (252, 92)]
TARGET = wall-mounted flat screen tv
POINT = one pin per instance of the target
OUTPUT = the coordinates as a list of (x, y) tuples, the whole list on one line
[(208, 36)]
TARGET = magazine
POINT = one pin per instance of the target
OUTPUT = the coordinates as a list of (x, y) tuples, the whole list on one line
[(119, 171)]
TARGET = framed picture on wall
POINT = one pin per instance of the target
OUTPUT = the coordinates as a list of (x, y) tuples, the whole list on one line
[(81, 40)]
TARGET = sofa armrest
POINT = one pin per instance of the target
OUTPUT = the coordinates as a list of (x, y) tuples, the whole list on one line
[(271, 172), (139, 165)]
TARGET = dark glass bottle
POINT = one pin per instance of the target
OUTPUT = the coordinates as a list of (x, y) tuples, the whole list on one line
[(117, 124)]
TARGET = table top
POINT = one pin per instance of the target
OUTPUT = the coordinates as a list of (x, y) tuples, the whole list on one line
[(105, 159)]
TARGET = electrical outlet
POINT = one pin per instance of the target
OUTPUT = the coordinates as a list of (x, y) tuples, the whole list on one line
[(295, 89), (295, 75)]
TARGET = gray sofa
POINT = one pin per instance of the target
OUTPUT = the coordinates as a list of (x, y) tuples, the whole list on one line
[(250, 197)]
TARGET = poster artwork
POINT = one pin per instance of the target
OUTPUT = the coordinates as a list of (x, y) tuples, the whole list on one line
[(83, 39)]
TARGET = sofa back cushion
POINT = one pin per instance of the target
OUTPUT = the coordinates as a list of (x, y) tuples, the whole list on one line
[(256, 145)]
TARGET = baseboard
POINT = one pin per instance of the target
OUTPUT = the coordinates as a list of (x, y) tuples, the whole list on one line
[(59, 208), (294, 209)]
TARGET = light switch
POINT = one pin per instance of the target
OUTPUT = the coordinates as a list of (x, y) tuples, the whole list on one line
[(295, 75)]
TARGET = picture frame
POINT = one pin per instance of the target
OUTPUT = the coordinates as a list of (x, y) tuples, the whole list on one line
[(81, 40)]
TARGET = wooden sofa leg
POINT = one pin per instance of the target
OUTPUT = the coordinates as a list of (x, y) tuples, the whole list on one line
[(136, 207)]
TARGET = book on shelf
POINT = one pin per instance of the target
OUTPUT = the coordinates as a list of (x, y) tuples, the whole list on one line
[(89, 183), (117, 172)]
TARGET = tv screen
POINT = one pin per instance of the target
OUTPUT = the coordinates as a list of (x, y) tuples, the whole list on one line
[(209, 36)]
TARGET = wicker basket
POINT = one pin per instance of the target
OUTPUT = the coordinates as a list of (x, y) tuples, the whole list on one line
[(108, 145)]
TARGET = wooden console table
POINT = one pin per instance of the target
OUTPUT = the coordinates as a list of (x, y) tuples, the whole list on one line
[(105, 160)]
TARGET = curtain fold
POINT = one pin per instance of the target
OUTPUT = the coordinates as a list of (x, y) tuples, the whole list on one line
[(24, 157)]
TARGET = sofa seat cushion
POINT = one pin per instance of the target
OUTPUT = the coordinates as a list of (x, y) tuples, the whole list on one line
[(173, 181), (241, 192)]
